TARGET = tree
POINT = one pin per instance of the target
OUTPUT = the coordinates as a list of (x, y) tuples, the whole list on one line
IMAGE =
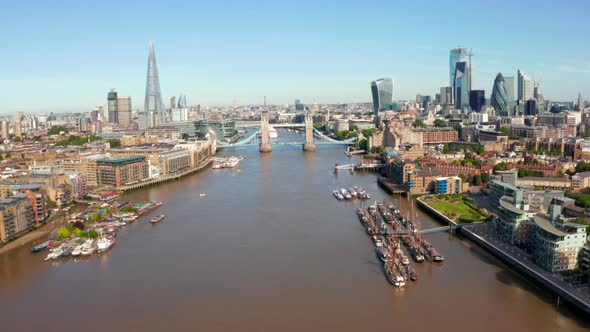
[(476, 180), (368, 132), (582, 167), (92, 234), (504, 130), (128, 209), (51, 203), (501, 167), (377, 149), (419, 124), (485, 177), (56, 130), (440, 123), (17, 139), (63, 233), (363, 144), (36, 138), (115, 143), (8, 155), (94, 218)]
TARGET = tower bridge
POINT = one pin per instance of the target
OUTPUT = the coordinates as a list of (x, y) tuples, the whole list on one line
[(261, 137)]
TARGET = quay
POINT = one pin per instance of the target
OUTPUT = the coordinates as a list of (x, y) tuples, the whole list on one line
[(480, 234), (390, 187), (519, 261), (166, 178)]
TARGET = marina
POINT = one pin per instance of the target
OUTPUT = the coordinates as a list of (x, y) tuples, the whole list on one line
[(95, 230), (229, 162)]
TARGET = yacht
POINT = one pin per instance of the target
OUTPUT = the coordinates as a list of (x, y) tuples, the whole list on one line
[(78, 250), (88, 248), (105, 243)]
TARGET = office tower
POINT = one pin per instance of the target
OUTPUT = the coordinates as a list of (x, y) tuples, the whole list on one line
[(382, 92), (298, 105), (580, 102), (460, 55), (499, 96), (112, 107), (446, 95), (173, 102), (4, 130), (426, 100), (182, 101), (461, 86), (530, 107), (509, 84), (124, 117), (524, 87), (477, 99), (538, 95), (82, 123), (94, 116), (153, 97)]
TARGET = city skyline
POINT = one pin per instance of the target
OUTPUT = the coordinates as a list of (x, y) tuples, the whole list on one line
[(241, 53)]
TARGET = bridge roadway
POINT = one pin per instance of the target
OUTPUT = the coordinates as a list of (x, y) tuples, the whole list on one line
[(275, 125)]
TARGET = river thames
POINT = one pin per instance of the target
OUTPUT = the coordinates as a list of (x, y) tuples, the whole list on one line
[(268, 248)]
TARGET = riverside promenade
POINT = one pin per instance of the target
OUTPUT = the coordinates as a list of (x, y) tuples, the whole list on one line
[(483, 235), (167, 178)]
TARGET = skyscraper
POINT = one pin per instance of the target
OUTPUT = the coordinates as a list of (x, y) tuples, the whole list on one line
[(461, 86), (382, 92), (509, 84), (538, 95), (524, 87), (531, 107), (460, 55), (153, 97), (499, 96), (124, 116), (113, 109), (172, 102), (446, 95), (182, 101), (477, 98)]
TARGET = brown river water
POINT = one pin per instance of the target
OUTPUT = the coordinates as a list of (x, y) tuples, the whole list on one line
[(268, 249)]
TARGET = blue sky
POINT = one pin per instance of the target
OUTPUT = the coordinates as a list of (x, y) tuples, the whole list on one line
[(66, 55)]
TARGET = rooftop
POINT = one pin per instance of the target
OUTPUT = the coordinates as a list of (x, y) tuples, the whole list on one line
[(542, 220)]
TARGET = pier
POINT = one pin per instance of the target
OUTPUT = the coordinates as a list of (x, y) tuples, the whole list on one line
[(390, 187)]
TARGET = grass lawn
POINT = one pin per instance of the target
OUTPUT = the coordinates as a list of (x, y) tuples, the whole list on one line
[(456, 209)]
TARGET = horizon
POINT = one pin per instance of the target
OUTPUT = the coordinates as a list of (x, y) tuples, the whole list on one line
[(219, 55)]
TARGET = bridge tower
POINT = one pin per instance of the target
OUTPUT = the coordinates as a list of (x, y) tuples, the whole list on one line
[(264, 133), (309, 145)]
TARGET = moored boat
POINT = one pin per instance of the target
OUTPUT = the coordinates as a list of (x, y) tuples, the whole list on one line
[(158, 219), (40, 247)]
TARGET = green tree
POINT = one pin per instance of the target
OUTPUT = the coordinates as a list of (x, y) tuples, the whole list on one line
[(504, 130), (36, 138), (377, 149), (128, 209), (55, 130), (94, 217), (115, 143), (8, 155), (476, 180), (485, 177), (63, 233), (51, 203), (501, 167), (583, 167), (17, 139), (440, 123), (368, 132), (363, 144), (419, 124)]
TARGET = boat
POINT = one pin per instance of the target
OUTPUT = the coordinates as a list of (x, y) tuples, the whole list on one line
[(412, 273), (157, 219), (40, 247), (54, 254), (338, 195), (105, 243), (88, 248), (272, 132), (394, 278), (77, 250), (383, 253)]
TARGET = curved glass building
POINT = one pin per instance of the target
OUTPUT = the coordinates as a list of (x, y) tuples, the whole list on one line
[(499, 99), (461, 85), (382, 92)]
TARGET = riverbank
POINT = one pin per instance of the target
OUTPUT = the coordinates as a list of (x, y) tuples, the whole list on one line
[(480, 234), (52, 223), (454, 207)]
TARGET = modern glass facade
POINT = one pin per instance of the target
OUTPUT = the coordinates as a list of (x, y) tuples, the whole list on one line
[(499, 99), (477, 99), (382, 92), (153, 96), (461, 86), (460, 55), (113, 109)]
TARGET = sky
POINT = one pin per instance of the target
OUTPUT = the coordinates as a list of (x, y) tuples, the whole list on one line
[(66, 55)]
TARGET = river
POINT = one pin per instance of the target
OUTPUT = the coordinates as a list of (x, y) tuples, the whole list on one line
[(268, 248)]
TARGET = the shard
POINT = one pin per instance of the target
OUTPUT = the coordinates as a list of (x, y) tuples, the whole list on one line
[(153, 107)]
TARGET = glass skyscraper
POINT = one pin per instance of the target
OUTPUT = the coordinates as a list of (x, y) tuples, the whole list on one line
[(382, 92), (477, 99), (460, 55), (153, 106), (524, 87), (499, 99), (461, 86)]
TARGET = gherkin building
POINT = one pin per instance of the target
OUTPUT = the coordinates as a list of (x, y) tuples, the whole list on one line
[(499, 99)]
